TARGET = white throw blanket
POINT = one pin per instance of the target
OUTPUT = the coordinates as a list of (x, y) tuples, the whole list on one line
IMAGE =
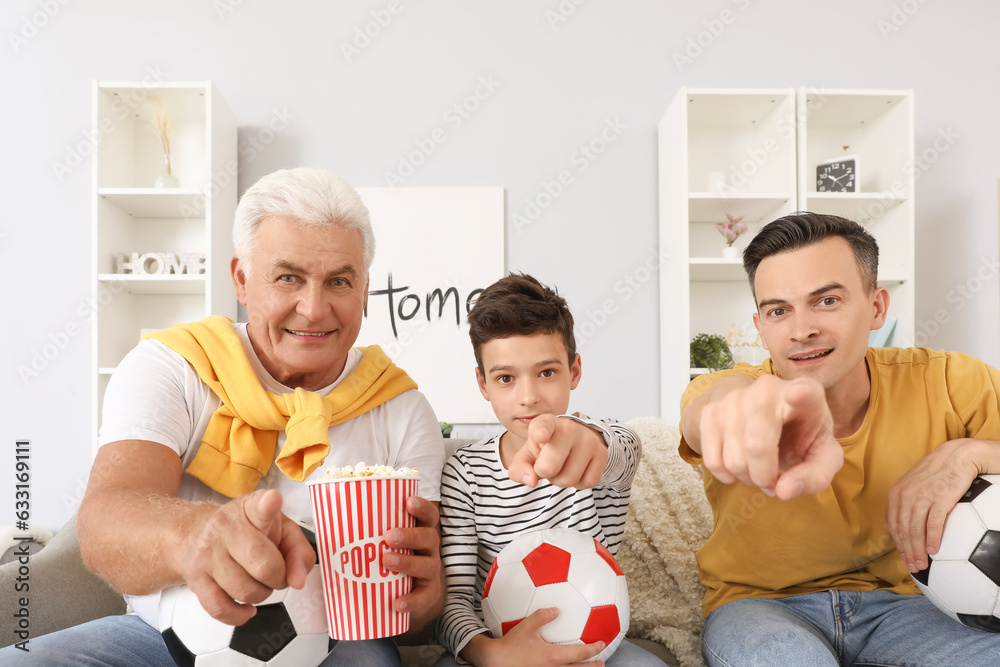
[(668, 520)]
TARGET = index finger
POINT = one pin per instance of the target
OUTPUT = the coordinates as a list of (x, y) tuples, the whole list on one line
[(522, 467)]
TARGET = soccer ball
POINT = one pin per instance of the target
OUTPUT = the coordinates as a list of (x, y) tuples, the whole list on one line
[(559, 567), (289, 629), (963, 578)]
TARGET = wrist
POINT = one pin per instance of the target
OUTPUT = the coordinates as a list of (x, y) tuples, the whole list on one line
[(981, 456), (478, 649), (592, 428)]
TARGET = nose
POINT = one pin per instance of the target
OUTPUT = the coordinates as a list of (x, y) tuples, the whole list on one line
[(527, 392), (803, 326), (312, 303)]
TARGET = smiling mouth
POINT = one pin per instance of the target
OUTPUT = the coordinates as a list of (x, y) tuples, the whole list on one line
[(811, 356), (308, 333)]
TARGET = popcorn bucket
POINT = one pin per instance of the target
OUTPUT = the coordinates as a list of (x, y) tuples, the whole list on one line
[(352, 514)]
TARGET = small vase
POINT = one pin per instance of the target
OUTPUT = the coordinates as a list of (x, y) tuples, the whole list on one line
[(729, 252), (167, 181)]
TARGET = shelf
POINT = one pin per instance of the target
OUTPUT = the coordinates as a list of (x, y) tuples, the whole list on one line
[(184, 101), (157, 284), (733, 108), (717, 269), (155, 202), (130, 216), (849, 109), (857, 206), (756, 207)]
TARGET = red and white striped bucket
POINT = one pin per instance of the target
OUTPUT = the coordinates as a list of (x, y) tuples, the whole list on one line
[(352, 514)]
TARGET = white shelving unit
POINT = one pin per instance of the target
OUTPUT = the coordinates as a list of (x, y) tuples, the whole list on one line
[(753, 152), (130, 215)]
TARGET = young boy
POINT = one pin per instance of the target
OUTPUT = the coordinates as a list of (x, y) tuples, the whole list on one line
[(547, 470)]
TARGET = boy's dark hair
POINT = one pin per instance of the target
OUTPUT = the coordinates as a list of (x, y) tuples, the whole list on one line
[(519, 305), (803, 228)]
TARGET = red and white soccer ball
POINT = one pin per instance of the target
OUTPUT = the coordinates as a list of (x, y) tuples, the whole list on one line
[(559, 567)]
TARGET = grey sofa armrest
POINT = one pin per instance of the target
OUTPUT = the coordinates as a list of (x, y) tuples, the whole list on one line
[(58, 590)]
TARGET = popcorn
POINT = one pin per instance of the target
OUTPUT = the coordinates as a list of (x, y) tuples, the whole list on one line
[(364, 470)]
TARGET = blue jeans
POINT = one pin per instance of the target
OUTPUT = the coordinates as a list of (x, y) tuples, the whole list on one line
[(127, 641), (836, 628), (626, 655)]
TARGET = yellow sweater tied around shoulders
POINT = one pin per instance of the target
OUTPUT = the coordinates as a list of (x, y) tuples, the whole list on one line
[(239, 443)]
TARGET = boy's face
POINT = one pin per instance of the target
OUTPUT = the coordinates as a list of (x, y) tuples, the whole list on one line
[(527, 376), (814, 314)]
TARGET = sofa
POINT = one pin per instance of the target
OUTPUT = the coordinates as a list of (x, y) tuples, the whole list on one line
[(668, 519)]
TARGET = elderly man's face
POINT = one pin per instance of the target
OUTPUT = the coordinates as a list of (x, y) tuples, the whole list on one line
[(305, 297)]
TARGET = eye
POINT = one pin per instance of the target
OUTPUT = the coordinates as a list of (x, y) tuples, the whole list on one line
[(286, 278), (829, 301), (340, 282), (776, 312), (548, 372), (504, 379)]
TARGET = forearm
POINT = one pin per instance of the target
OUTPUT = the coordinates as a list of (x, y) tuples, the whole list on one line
[(131, 525), (133, 539), (691, 419)]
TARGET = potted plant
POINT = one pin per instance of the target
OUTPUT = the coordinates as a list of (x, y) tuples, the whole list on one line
[(710, 351), (446, 429), (732, 230)]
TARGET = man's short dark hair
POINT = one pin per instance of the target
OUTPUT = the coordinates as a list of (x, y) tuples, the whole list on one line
[(519, 305), (803, 228)]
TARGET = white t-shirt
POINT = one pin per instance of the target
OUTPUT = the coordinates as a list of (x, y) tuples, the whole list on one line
[(156, 395)]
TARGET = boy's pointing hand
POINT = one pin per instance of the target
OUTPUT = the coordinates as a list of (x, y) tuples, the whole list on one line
[(563, 451)]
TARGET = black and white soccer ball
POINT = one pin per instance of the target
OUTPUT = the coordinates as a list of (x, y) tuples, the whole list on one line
[(963, 578), (289, 629)]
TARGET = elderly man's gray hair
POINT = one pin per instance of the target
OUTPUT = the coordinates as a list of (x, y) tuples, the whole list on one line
[(313, 197)]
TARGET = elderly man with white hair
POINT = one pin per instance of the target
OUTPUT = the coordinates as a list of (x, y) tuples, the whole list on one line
[(201, 480)]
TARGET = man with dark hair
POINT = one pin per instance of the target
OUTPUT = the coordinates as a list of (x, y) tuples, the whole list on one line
[(831, 467)]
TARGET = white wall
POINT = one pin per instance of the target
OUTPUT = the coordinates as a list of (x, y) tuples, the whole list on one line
[(556, 87)]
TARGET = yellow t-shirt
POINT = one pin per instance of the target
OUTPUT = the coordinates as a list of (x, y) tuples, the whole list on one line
[(764, 547)]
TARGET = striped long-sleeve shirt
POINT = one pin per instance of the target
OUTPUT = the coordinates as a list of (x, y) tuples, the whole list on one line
[(483, 510)]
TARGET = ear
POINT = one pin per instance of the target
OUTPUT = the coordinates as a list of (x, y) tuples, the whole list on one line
[(575, 372), (368, 283), (756, 323), (481, 381), (880, 304), (239, 280)]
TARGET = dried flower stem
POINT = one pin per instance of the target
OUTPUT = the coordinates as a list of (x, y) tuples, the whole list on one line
[(161, 119)]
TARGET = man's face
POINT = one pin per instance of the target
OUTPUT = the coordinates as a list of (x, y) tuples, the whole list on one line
[(527, 376), (305, 299), (814, 315)]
